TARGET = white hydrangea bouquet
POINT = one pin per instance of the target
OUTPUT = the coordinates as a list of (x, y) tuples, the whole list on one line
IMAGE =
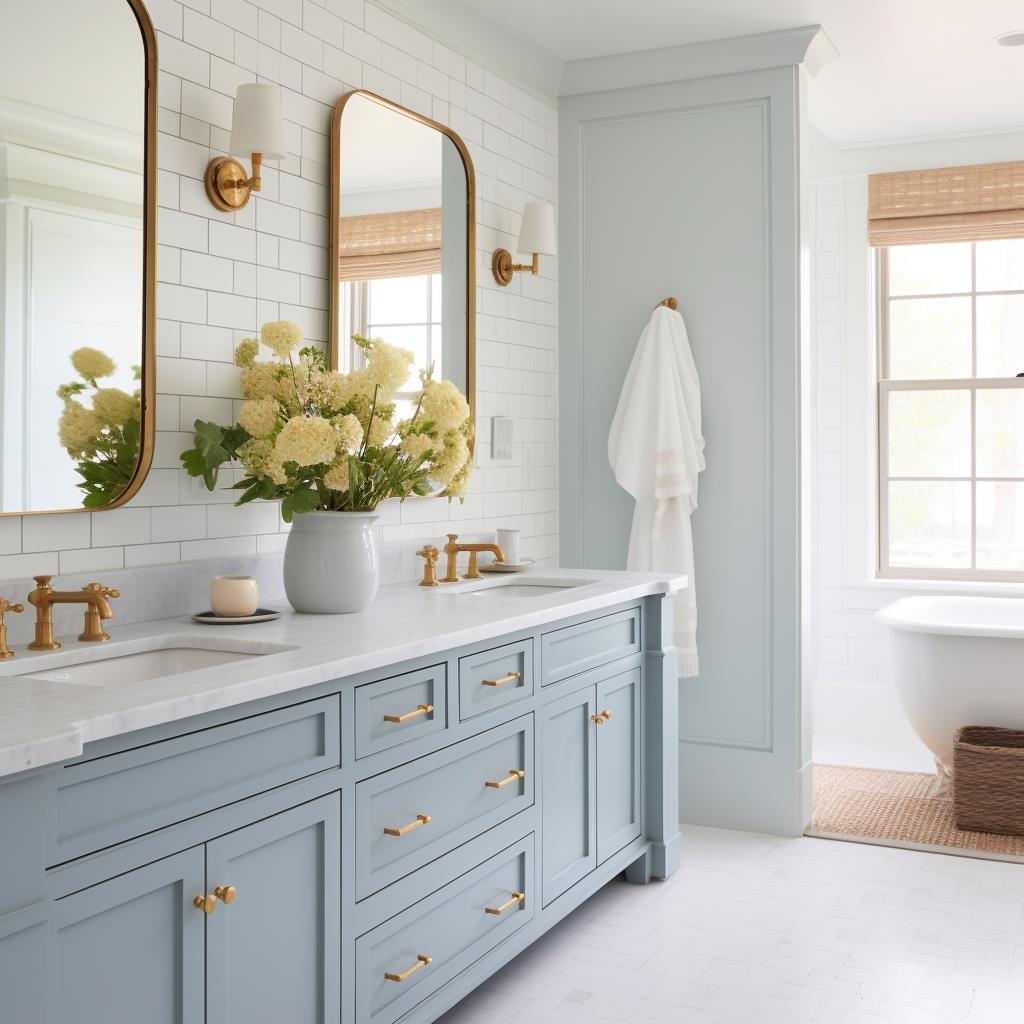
[(102, 437), (322, 440)]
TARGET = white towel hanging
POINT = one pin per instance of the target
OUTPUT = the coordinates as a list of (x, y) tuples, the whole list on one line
[(656, 450)]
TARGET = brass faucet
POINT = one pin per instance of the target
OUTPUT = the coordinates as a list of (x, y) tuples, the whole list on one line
[(452, 549), (429, 555), (93, 595), (7, 606)]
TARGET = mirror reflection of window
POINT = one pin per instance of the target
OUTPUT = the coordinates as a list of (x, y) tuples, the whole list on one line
[(402, 241)]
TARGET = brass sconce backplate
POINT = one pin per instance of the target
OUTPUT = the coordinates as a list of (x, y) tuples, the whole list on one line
[(502, 266), (227, 184)]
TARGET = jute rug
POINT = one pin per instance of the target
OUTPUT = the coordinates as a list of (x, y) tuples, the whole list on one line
[(895, 809)]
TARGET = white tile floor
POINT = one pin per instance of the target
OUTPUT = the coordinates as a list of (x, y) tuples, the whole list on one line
[(761, 930)]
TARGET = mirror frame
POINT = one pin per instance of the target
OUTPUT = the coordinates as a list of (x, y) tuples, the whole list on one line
[(147, 385), (335, 215)]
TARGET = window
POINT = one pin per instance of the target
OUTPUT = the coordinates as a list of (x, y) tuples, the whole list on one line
[(951, 410), (404, 311)]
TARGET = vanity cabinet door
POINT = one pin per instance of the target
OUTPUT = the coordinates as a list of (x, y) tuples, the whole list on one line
[(274, 949), (618, 763), (132, 949), (569, 778)]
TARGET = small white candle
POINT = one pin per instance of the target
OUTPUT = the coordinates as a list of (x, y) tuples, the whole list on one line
[(234, 595)]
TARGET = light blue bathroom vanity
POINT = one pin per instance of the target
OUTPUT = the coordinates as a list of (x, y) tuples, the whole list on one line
[(365, 848)]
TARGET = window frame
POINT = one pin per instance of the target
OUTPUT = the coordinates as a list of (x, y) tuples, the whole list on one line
[(358, 303), (885, 386)]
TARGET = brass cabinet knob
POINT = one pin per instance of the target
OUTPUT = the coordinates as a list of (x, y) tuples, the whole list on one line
[(207, 904), (225, 893), (606, 715)]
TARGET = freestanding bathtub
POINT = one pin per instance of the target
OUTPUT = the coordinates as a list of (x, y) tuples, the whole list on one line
[(957, 661)]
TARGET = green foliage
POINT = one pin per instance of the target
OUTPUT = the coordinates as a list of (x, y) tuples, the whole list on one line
[(214, 446), (111, 465)]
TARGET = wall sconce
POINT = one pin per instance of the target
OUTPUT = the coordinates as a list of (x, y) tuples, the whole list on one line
[(536, 236), (257, 131)]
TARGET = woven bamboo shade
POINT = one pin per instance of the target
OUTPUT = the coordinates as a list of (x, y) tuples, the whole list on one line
[(946, 204), (378, 245)]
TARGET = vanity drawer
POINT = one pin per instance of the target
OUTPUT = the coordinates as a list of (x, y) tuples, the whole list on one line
[(121, 796), (451, 926), (567, 652), (411, 815), (403, 708), (492, 679)]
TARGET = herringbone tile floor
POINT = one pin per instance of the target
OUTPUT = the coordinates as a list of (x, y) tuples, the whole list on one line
[(762, 930)]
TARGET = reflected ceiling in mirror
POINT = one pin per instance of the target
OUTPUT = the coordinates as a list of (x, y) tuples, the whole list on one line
[(77, 206), (402, 230)]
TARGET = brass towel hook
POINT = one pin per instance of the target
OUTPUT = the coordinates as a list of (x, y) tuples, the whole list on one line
[(671, 302)]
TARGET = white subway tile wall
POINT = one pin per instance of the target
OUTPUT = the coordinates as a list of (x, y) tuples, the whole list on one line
[(221, 275), (857, 718)]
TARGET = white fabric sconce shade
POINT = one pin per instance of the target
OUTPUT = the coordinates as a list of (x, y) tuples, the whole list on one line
[(257, 125), (257, 132), (537, 232), (537, 237)]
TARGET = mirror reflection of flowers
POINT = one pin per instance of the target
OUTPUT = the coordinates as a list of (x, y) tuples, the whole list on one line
[(322, 440), (102, 436)]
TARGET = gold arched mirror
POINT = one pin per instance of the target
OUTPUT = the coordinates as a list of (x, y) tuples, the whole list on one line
[(402, 239), (77, 231)]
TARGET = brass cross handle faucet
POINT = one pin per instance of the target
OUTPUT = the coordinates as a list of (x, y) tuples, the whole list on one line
[(6, 606), (452, 549), (429, 555), (92, 595)]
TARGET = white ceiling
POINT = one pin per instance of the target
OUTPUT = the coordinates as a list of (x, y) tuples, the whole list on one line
[(907, 68), (382, 149), (84, 60)]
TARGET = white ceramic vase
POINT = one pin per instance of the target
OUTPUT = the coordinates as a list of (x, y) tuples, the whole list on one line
[(331, 563)]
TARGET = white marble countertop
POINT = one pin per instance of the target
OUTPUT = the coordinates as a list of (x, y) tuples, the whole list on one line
[(44, 722)]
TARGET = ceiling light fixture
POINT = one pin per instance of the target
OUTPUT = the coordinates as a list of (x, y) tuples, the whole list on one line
[(1015, 38)]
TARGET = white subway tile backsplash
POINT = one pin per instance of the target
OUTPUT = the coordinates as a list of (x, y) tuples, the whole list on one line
[(91, 560), (55, 532), (222, 274), (120, 526)]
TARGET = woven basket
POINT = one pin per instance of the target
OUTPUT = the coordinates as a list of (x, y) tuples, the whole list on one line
[(988, 779)]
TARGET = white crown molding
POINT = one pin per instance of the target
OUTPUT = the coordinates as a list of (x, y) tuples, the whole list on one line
[(53, 131), (463, 27), (808, 46)]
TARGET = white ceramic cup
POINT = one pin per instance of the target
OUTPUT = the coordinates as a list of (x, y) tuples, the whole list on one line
[(234, 596), (508, 541)]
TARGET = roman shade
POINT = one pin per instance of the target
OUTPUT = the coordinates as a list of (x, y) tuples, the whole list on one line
[(377, 245), (946, 204)]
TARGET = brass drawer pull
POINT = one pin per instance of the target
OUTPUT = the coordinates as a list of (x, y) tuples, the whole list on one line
[(207, 904), (421, 961), (225, 893), (421, 819), (517, 897), (421, 709), (514, 775), (603, 717), (512, 677)]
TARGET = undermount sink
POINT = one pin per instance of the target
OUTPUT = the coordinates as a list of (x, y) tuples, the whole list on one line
[(535, 586), (119, 669)]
